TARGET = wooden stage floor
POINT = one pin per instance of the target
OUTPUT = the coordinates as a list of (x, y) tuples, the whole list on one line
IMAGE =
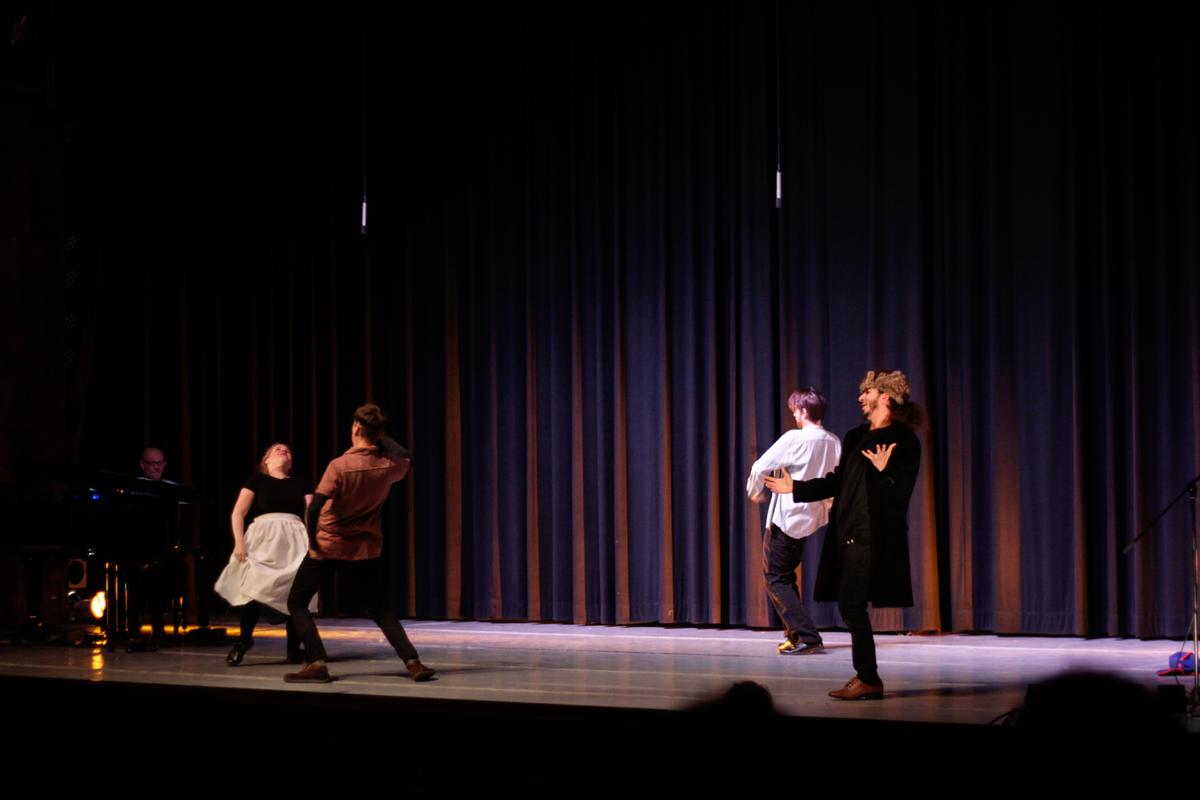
[(956, 679)]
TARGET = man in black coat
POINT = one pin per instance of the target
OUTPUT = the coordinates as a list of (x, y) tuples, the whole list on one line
[(865, 556)]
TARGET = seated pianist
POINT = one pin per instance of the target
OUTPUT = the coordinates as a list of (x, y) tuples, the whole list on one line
[(146, 575), (153, 464)]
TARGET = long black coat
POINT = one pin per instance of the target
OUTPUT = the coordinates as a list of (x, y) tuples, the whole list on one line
[(888, 493)]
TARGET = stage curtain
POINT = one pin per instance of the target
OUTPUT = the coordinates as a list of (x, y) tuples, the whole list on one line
[(583, 311)]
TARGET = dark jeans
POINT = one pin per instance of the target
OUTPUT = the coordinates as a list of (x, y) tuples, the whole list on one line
[(781, 556), (248, 617), (365, 574), (853, 584)]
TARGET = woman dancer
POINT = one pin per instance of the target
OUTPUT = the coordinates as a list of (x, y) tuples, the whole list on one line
[(266, 555)]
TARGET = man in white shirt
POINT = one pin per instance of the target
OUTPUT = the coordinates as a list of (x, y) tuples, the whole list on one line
[(807, 452)]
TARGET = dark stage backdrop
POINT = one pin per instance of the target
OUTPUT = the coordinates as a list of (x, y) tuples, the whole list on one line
[(583, 311)]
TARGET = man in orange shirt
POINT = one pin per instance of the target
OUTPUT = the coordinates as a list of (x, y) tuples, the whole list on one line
[(345, 533)]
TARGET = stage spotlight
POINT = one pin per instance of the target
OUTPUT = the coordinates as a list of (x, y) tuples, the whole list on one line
[(98, 605)]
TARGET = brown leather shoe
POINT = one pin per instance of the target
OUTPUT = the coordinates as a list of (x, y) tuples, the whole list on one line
[(419, 671), (857, 690), (316, 672)]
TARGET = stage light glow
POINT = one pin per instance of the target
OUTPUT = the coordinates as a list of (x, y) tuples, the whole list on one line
[(98, 605)]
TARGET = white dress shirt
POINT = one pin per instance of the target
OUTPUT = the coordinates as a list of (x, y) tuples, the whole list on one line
[(806, 453)]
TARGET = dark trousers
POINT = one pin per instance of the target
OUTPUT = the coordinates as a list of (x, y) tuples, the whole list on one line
[(854, 580), (366, 575), (781, 556), (248, 616)]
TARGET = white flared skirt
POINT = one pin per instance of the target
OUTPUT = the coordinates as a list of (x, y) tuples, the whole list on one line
[(275, 546)]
